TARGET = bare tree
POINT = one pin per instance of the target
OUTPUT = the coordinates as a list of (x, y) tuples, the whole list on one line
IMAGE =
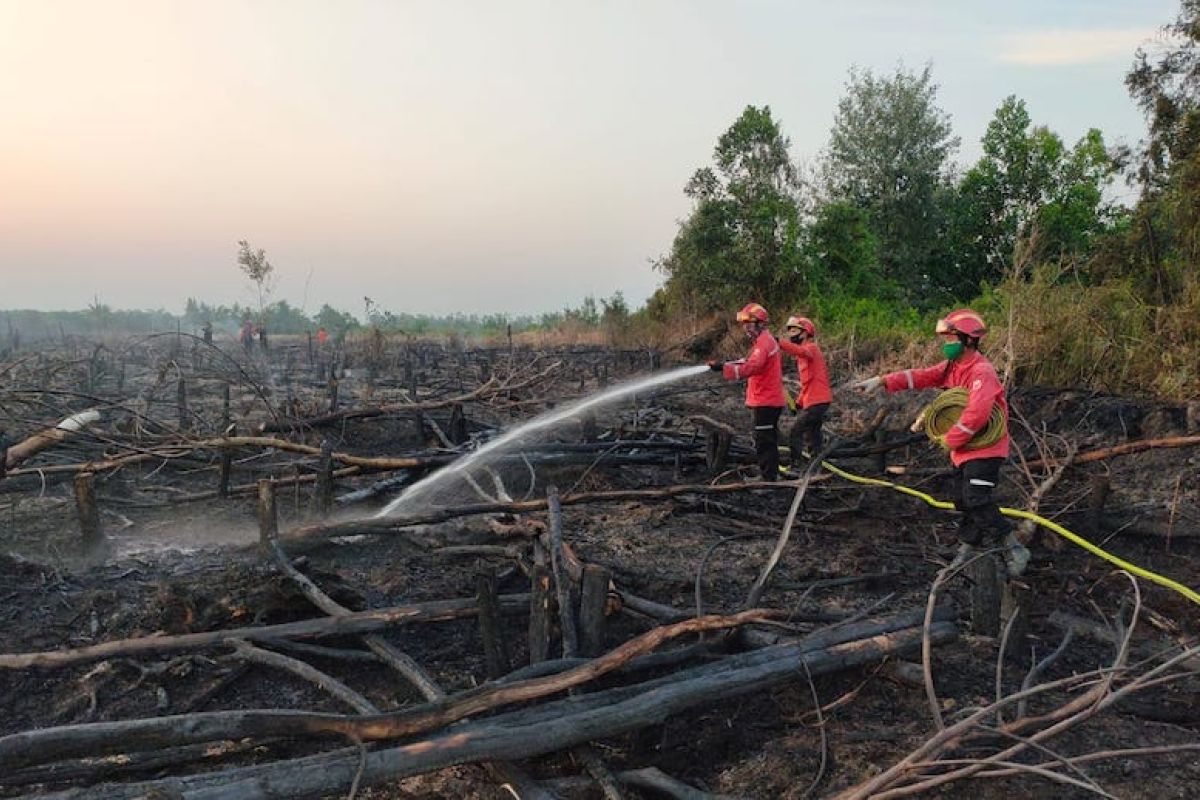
[(260, 272)]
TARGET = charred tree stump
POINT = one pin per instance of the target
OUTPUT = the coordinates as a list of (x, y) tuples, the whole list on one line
[(540, 613), (588, 429), (89, 512), (717, 438), (225, 461), (1014, 616), (986, 593), (225, 417), (456, 429), (333, 391), (881, 457), (181, 403), (592, 605), (268, 517), (495, 653), (323, 492), (562, 581)]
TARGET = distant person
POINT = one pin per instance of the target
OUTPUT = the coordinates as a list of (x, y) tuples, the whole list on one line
[(806, 437), (262, 337), (322, 337), (763, 371), (246, 335), (206, 331), (976, 470)]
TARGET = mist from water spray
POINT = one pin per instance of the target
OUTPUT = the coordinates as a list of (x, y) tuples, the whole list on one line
[(423, 489)]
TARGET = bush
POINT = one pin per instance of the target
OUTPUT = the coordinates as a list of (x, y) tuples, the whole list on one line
[(1056, 331)]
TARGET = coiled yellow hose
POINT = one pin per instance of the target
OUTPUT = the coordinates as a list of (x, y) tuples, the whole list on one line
[(946, 409), (1071, 537)]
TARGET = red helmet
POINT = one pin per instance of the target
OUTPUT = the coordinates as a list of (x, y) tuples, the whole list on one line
[(752, 312), (803, 323), (964, 321)]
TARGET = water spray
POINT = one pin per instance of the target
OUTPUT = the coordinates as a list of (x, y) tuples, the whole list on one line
[(460, 468)]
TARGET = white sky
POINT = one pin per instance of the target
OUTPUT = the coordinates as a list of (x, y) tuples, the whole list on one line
[(458, 156)]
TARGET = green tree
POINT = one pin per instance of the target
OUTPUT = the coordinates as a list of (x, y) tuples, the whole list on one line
[(740, 241), (889, 153), (1026, 187), (845, 253), (1158, 252), (1165, 88), (335, 321)]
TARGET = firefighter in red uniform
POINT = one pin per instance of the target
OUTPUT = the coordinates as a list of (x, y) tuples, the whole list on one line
[(977, 471), (763, 371), (812, 405)]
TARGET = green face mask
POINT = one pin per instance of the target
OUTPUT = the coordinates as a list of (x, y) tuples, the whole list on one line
[(952, 350)]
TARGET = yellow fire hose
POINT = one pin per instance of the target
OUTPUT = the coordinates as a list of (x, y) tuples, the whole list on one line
[(1073, 538), (946, 409)]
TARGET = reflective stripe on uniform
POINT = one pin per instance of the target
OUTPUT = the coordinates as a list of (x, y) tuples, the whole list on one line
[(981, 482), (964, 429), (909, 377), (764, 427)]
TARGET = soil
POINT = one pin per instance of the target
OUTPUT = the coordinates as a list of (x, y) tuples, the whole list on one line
[(173, 563)]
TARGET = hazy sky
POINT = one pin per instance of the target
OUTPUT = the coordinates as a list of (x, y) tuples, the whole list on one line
[(458, 156)]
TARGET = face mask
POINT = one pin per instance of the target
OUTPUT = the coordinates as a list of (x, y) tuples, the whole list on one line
[(952, 350)]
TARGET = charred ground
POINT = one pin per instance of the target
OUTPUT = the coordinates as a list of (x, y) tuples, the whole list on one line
[(178, 559)]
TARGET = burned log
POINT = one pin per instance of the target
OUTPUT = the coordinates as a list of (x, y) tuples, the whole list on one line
[(356, 622), (530, 732), (39, 746), (42, 440), (384, 525)]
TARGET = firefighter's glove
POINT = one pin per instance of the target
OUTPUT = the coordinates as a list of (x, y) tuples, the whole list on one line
[(716, 366), (919, 423), (872, 384)]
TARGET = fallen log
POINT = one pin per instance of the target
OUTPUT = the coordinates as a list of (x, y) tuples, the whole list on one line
[(34, 747), (96, 769), (39, 746), (528, 733), (357, 622), (409, 669), (392, 524), (1123, 449), (47, 438)]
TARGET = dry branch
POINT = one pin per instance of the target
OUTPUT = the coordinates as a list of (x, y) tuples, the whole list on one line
[(357, 622), (47, 438), (248, 652), (1125, 449), (530, 732), (491, 388), (392, 524), (32, 747)]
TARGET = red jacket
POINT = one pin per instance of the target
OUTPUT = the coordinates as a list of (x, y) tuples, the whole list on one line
[(764, 370), (814, 376), (976, 374)]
